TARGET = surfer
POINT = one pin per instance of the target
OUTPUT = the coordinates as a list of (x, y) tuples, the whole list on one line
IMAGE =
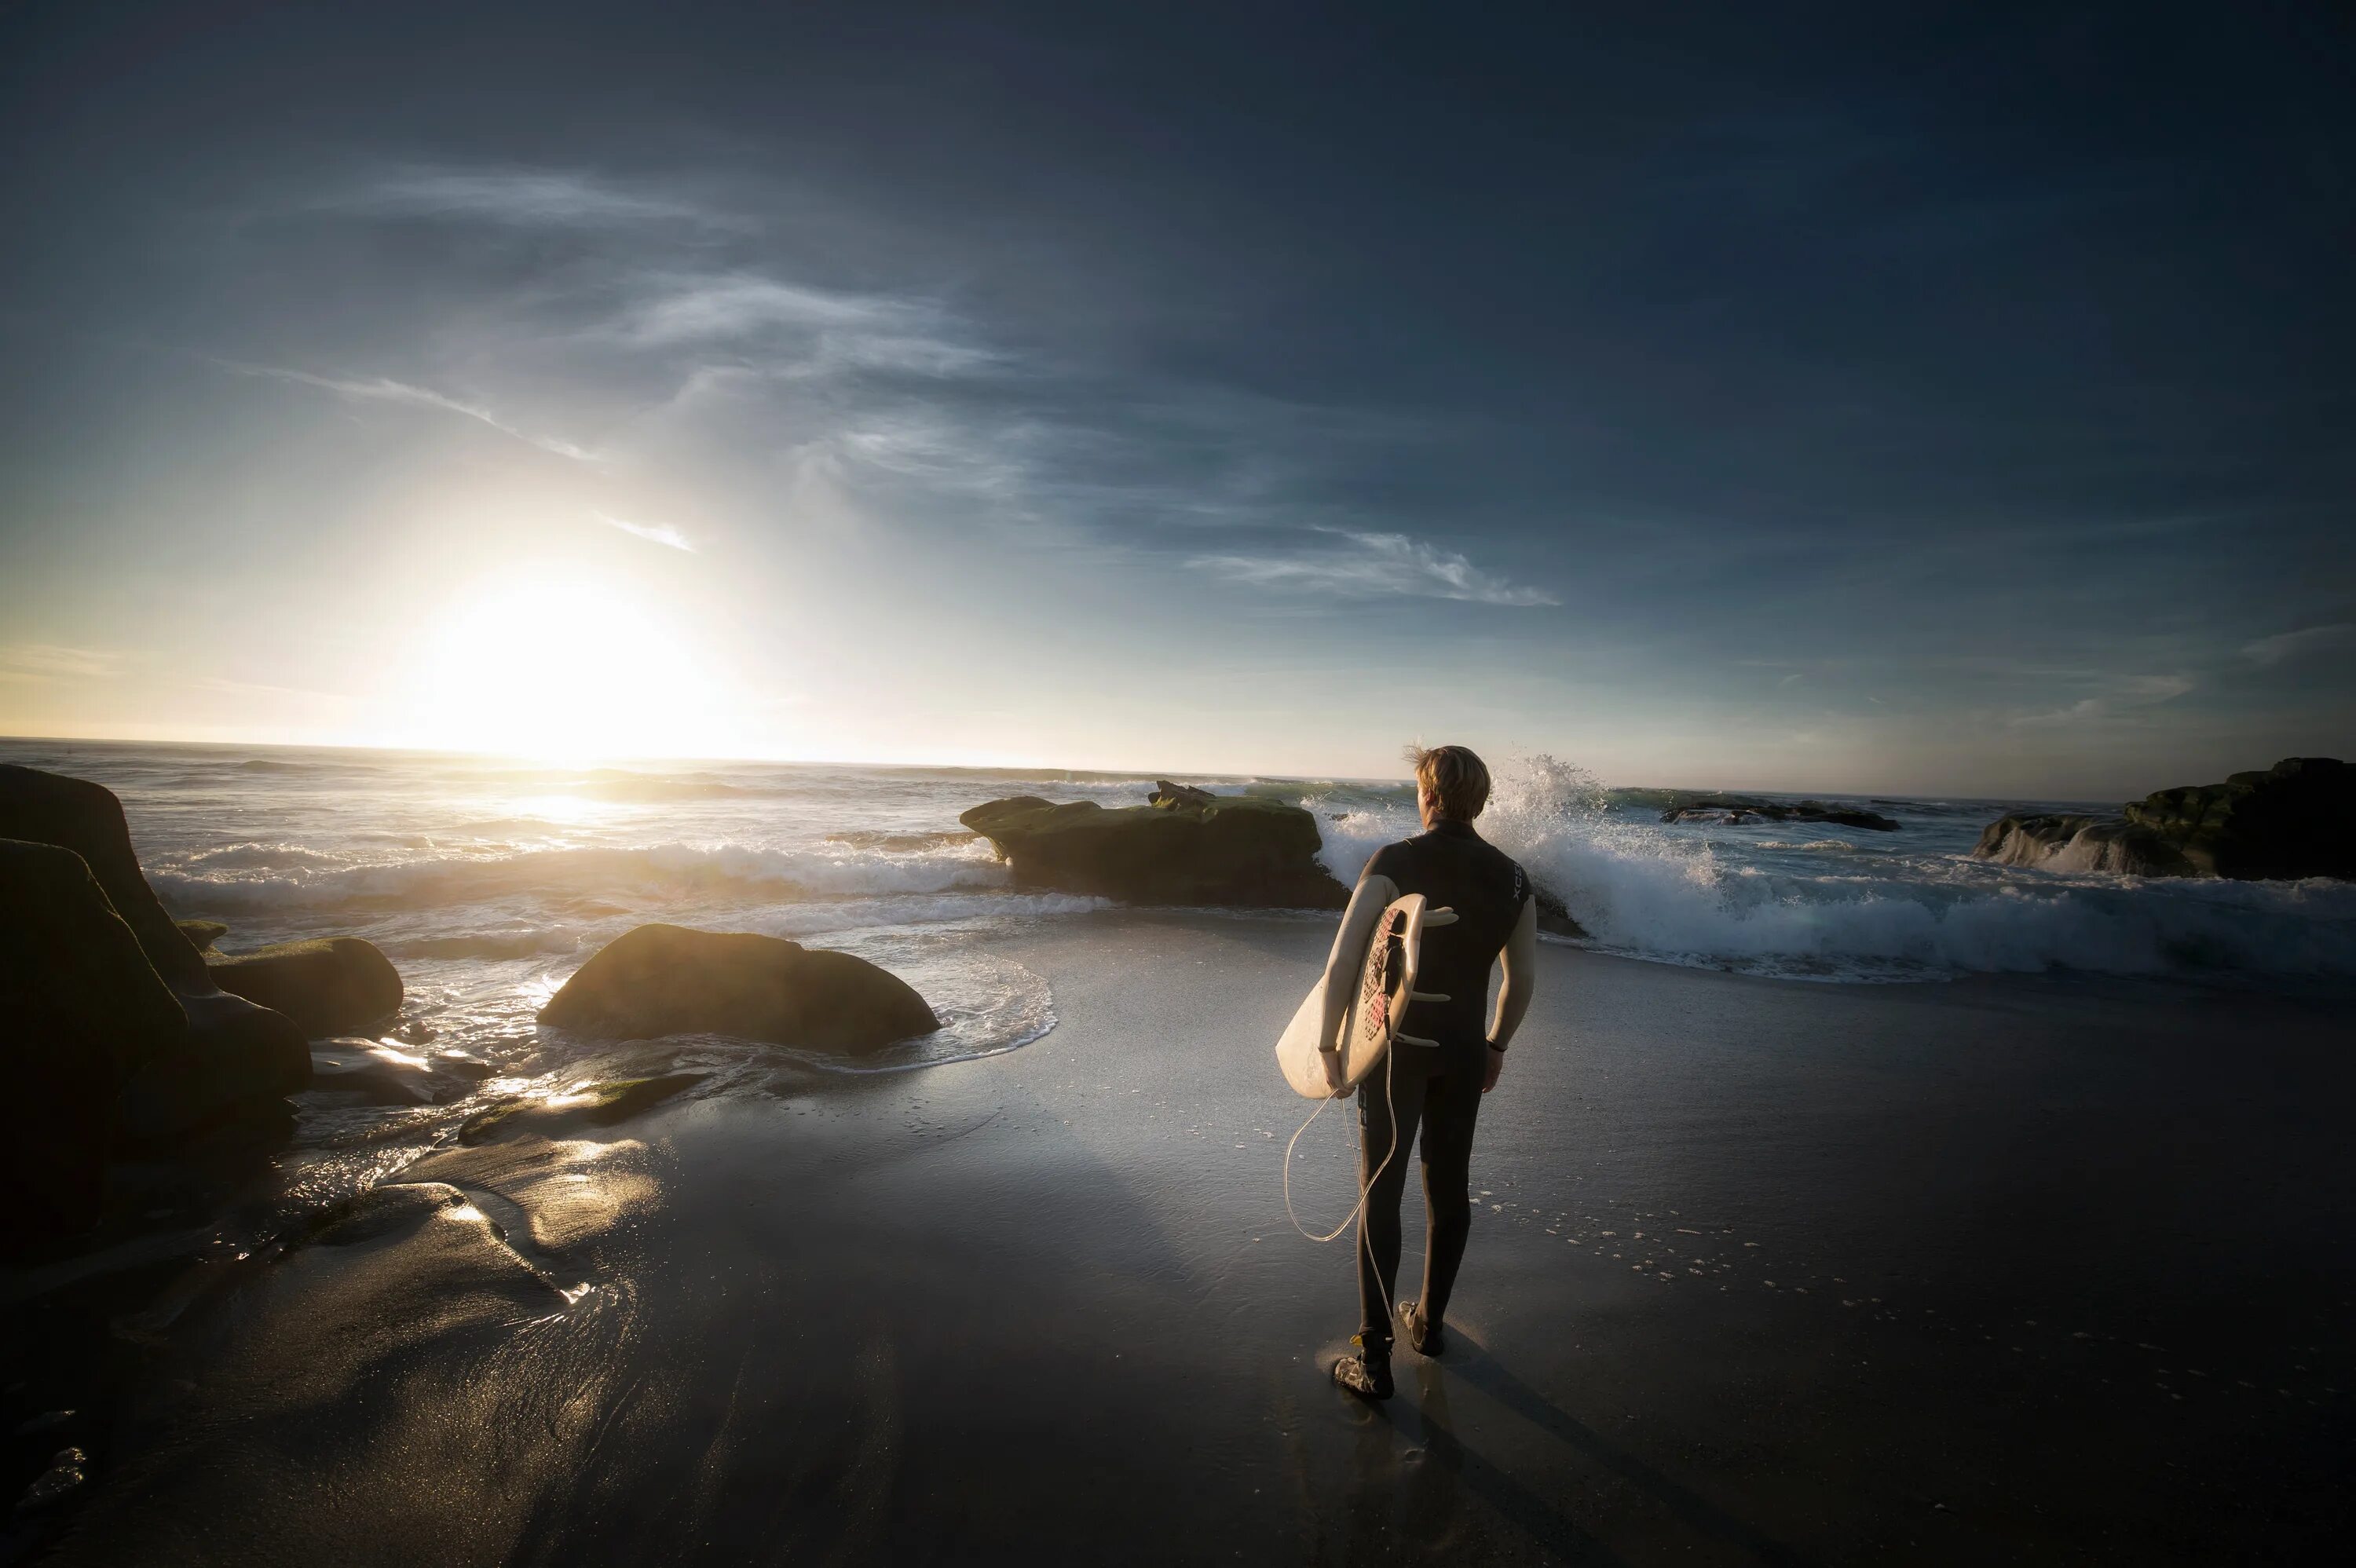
[(1435, 1087)]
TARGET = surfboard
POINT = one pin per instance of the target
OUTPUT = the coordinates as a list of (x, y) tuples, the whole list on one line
[(1386, 986)]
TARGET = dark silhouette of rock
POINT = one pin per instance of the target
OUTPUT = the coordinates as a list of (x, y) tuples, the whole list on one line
[(1237, 850), (2296, 819), (336, 985), (231, 1054), (80, 1012), (2061, 843), (1554, 916), (1719, 808), (1167, 795), (202, 934), (666, 979)]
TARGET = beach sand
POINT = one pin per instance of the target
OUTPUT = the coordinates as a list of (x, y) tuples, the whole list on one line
[(2000, 1269)]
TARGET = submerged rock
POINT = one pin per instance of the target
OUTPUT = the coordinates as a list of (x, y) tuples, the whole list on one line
[(1719, 808), (597, 1106), (378, 1074), (666, 979), (2059, 843), (332, 985), (2296, 819), (1236, 850)]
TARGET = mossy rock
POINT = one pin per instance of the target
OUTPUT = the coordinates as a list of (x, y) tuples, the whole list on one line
[(330, 986), (2297, 818), (667, 979), (1236, 852)]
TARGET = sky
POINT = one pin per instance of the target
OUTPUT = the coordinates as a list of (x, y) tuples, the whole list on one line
[(1847, 398)]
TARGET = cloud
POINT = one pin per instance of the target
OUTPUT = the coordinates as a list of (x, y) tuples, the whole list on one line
[(1370, 566), (524, 197), (2126, 696), (383, 389), (2267, 652), (659, 533), (52, 661)]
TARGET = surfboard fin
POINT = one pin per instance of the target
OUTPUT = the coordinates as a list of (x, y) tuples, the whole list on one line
[(1439, 917), (1426, 996), (1412, 1039)]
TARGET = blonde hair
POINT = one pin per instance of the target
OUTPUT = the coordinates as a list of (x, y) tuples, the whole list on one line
[(1453, 777)]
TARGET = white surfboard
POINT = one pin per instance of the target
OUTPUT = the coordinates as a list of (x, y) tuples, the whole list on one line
[(1386, 986)]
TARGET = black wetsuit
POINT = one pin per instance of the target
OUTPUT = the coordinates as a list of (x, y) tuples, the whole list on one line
[(1437, 1086)]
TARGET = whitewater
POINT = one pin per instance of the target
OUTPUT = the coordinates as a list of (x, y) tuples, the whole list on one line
[(488, 881)]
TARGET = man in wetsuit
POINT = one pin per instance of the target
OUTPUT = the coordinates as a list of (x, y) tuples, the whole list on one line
[(1435, 1087)]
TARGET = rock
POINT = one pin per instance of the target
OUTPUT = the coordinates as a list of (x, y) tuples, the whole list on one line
[(1237, 850), (1167, 795), (598, 1105), (2296, 819), (231, 1054), (2079, 844), (665, 980), (378, 1074), (202, 934), (1555, 917), (1719, 808), (82, 1010), (331, 985)]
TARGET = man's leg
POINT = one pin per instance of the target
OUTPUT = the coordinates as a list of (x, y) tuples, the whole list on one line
[(1392, 1091), (1452, 1105)]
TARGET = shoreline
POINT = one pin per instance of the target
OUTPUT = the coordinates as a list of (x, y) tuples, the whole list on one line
[(1049, 1299)]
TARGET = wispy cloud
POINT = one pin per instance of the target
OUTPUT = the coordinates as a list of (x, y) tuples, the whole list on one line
[(2288, 645), (384, 389), (53, 661), (523, 197), (1369, 566), (658, 533), (2124, 697)]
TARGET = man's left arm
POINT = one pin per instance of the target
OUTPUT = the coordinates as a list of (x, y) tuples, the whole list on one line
[(1521, 961)]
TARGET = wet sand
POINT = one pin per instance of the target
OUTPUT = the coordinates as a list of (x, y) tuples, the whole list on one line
[(2030, 1270)]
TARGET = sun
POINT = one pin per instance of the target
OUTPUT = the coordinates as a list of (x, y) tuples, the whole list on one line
[(561, 664)]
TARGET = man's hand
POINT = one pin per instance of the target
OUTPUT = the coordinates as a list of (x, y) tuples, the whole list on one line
[(1334, 1086), (1489, 1070)]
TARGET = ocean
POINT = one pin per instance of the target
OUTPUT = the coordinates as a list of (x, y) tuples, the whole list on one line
[(488, 881)]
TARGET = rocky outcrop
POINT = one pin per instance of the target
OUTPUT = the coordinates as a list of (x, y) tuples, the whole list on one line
[(2296, 819), (80, 1012), (202, 934), (335, 984), (1236, 850), (1167, 795), (2080, 844), (666, 979), (230, 1054), (1733, 812)]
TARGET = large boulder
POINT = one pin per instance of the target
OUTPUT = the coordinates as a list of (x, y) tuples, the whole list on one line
[(1237, 850), (2065, 843), (82, 1010), (231, 1053), (2296, 819), (332, 985), (666, 979)]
